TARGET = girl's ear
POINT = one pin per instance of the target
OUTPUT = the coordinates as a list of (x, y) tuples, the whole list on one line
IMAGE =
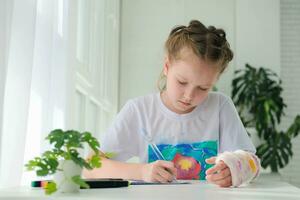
[(166, 66)]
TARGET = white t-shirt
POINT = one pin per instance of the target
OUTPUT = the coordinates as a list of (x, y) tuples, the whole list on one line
[(211, 128)]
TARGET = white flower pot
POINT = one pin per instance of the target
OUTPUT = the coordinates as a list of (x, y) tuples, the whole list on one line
[(63, 179)]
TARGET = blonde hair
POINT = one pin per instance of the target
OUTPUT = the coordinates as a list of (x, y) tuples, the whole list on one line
[(207, 43)]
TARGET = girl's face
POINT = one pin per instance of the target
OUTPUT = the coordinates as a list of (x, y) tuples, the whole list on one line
[(189, 79)]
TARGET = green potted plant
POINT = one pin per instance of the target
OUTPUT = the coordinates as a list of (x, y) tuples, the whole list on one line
[(257, 95), (64, 160)]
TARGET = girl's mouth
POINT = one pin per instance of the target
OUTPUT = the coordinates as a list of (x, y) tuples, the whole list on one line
[(184, 103)]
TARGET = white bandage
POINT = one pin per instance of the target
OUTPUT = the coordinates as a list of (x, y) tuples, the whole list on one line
[(244, 166)]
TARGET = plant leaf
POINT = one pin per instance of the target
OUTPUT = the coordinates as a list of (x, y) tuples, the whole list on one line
[(294, 128), (92, 141), (79, 181), (72, 139), (57, 137), (95, 161)]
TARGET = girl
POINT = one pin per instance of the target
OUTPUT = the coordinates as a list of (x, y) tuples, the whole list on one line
[(185, 129)]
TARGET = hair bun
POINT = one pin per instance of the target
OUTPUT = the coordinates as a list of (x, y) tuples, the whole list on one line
[(195, 24), (206, 42), (219, 32)]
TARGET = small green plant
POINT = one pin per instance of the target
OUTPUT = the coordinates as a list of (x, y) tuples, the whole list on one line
[(257, 95), (65, 147)]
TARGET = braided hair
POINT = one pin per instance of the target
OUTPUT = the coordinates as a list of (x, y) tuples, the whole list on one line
[(208, 43)]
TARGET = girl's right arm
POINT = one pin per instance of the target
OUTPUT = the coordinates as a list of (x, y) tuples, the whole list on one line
[(158, 171)]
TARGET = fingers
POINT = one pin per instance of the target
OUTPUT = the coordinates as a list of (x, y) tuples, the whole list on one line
[(168, 166), (218, 167), (160, 171), (219, 176), (211, 160), (226, 182), (222, 178), (164, 175)]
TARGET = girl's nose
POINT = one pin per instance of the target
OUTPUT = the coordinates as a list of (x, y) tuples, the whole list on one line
[(188, 95)]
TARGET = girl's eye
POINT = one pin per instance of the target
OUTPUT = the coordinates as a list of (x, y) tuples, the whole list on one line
[(202, 89), (182, 83)]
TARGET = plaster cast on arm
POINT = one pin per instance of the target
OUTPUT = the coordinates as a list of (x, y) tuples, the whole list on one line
[(244, 166)]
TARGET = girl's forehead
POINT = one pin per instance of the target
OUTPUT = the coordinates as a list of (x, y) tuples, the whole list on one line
[(195, 63), (184, 53), (196, 70)]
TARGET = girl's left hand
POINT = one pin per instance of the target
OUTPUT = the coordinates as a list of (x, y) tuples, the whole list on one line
[(219, 174)]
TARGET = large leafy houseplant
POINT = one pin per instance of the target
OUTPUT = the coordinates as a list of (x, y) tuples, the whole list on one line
[(66, 146), (257, 95)]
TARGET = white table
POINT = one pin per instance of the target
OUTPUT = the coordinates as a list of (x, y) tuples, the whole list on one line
[(265, 187)]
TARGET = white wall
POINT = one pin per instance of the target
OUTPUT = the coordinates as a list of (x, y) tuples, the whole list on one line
[(290, 71), (258, 33)]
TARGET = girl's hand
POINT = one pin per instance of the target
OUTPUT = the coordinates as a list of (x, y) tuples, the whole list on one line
[(159, 171), (219, 174)]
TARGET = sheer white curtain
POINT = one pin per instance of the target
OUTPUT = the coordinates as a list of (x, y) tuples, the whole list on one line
[(35, 81), (4, 17)]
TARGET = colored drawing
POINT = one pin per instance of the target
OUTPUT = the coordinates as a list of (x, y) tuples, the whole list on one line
[(189, 159)]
